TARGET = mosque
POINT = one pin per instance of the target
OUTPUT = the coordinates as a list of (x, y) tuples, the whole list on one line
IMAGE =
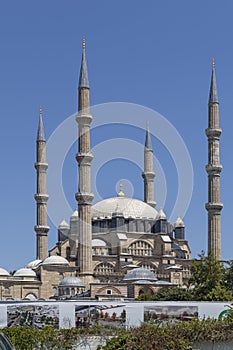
[(120, 247)]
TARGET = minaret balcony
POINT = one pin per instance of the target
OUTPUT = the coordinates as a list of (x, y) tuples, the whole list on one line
[(84, 158), (42, 230), (41, 166), (83, 118), (149, 175), (84, 198), (213, 133), (213, 169), (214, 207), (41, 198)]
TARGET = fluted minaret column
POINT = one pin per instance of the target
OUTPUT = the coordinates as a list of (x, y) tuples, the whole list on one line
[(148, 174), (214, 168), (41, 197), (84, 158)]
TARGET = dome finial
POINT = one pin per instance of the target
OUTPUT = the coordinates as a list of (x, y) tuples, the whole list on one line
[(40, 111), (121, 193)]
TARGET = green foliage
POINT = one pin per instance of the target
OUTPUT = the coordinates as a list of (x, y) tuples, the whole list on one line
[(228, 275), (145, 297), (208, 280), (173, 336), (175, 294), (27, 338), (164, 294), (178, 336)]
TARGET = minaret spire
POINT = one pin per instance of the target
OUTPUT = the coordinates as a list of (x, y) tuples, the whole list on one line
[(213, 97), (213, 169), (41, 197), (83, 76), (148, 144), (40, 132), (84, 158), (148, 174)]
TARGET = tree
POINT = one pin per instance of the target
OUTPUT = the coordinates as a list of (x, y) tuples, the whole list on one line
[(208, 279), (175, 294), (228, 275)]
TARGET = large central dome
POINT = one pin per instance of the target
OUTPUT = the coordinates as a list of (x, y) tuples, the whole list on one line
[(129, 207)]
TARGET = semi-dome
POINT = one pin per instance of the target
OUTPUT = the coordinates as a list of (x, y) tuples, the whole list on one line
[(71, 281), (98, 243), (4, 272), (33, 264), (129, 207), (25, 272), (55, 260), (140, 274)]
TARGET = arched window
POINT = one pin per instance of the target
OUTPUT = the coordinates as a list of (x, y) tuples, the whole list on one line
[(140, 248), (104, 269)]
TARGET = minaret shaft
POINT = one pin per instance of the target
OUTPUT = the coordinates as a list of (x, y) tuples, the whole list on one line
[(214, 168), (148, 174), (41, 197), (84, 158), (84, 100)]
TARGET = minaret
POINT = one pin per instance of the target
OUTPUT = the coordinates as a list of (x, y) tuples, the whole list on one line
[(148, 174), (84, 158), (213, 169), (41, 197)]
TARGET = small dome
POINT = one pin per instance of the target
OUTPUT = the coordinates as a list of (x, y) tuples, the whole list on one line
[(64, 224), (33, 264), (31, 297), (24, 272), (55, 260), (4, 272), (98, 243), (128, 207), (179, 222), (71, 281), (140, 274), (161, 215)]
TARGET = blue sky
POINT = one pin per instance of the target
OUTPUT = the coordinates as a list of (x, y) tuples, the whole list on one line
[(153, 53)]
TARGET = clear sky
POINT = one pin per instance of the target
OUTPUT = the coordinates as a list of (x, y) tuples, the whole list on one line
[(153, 53)]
